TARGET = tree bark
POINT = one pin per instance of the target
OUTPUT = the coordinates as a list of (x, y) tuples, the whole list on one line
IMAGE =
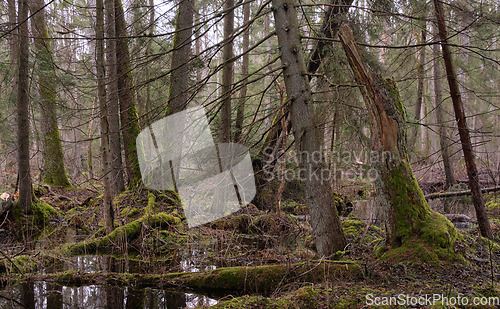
[(332, 20), (463, 131), (23, 122), (444, 140), (227, 73), (103, 110), (13, 44), (115, 153), (420, 89), (407, 215), (240, 113), (127, 97), (323, 214), (179, 78), (54, 172)]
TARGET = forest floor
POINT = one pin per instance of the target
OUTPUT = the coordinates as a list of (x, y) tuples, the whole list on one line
[(250, 259)]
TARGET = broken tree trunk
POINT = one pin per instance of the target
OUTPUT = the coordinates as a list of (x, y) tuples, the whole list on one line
[(463, 130), (412, 227)]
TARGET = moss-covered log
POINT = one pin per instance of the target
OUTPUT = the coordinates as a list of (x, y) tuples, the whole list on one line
[(121, 234), (414, 230), (237, 279)]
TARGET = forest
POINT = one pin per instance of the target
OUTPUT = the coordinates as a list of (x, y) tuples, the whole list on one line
[(249, 154)]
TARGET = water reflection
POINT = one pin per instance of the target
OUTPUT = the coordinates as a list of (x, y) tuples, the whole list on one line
[(50, 295), (47, 294)]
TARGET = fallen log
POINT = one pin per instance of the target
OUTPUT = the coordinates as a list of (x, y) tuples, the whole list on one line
[(458, 193), (240, 279)]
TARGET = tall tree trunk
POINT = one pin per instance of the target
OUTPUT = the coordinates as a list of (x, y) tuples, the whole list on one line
[(409, 219), (127, 96), (54, 172), (444, 140), (227, 73), (334, 15), (420, 89), (179, 79), (240, 113), (147, 105), (103, 110), (463, 131), (13, 44), (23, 122), (90, 163), (115, 153), (323, 214)]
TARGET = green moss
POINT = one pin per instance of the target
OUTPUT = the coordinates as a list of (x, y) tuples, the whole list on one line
[(492, 202), (126, 232), (246, 301), (42, 212), (487, 291), (267, 277), (27, 264), (151, 204), (421, 233), (306, 297), (391, 86), (129, 212)]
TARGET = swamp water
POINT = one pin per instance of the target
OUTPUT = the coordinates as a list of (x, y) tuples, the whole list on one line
[(47, 294), (191, 258)]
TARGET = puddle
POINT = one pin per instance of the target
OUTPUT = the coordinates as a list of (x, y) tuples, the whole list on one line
[(50, 295)]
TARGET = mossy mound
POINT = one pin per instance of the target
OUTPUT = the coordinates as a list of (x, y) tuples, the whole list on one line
[(267, 223), (42, 212), (306, 297)]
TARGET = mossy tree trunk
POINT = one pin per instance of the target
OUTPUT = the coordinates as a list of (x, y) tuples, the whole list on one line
[(127, 96), (324, 219), (54, 172), (409, 219)]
